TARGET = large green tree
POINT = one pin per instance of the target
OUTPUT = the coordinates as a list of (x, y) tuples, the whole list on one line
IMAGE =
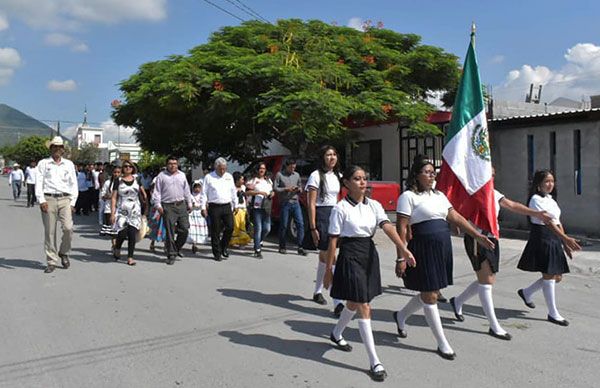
[(28, 149), (298, 82)]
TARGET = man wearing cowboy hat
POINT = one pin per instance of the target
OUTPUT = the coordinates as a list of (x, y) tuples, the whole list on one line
[(15, 179), (56, 192)]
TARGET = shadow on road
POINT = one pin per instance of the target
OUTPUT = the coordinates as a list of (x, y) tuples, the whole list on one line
[(20, 263)]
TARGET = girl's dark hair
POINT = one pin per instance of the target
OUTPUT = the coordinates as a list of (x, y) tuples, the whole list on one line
[(196, 184), (349, 171), (412, 182), (537, 180), (323, 169), (255, 172), (236, 176)]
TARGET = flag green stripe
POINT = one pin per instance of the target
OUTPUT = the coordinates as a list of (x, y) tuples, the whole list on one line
[(469, 97)]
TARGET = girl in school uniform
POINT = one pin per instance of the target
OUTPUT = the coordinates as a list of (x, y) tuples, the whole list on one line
[(428, 212), (323, 188), (546, 246), (357, 278), (106, 196)]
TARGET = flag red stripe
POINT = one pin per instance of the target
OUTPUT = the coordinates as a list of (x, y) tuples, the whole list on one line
[(479, 208)]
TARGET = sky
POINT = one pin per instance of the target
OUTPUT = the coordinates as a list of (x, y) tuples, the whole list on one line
[(59, 56)]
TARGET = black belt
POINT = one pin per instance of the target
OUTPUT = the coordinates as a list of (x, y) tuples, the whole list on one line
[(57, 195), (219, 204), (173, 203)]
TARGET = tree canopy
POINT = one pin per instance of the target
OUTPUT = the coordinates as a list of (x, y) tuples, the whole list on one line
[(32, 148), (298, 82)]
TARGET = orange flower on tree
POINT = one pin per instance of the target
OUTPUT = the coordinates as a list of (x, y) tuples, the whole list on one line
[(217, 85), (387, 108), (370, 59)]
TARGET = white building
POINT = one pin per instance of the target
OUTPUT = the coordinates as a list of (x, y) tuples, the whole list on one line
[(124, 151)]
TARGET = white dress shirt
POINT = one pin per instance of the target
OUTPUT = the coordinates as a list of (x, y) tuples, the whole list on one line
[(352, 219), (15, 176), (219, 190), (30, 175), (423, 206), (56, 178)]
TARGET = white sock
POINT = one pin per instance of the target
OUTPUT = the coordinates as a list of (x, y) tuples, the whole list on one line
[(411, 307), (320, 276), (467, 294), (345, 318), (432, 316), (364, 327), (534, 287), (549, 295), (485, 296)]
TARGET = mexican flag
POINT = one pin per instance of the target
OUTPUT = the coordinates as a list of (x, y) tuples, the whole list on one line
[(466, 173)]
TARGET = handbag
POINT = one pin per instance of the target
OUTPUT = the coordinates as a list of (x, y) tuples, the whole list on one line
[(143, 231)]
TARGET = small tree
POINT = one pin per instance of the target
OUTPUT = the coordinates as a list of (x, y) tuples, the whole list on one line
[(32, 148), (88, 153), (151, 161)]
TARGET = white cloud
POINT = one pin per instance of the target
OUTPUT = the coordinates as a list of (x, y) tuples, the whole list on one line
[(80, 48), (579, 77), (59, 39), (9, 61), (5, 75), (4, 25), (356, 23), (62, 86), (496, 59)]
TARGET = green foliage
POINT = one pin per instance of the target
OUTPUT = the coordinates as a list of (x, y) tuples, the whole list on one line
[(297, 82), (151, 161), (88, 153), (26, 150)]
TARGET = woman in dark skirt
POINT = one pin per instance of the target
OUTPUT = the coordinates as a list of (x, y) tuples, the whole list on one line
[(356, 278), (428, 212), (486, 264), (546, 246), (323, 188)]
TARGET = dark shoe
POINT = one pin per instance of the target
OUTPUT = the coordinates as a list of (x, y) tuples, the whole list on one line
[(301, 252), (283, 251), (340, 344), (563, 322), (49, 269), (170, 260), (319, 299), (179, 254), (459, 317), (194, 249), (338, 310), (116, 254), (379, 375), (218, 258), (65, 261), (531, 305), (401, 332), (441, 298), (506, 336), (225, 253), (447, 356), (258, 254)]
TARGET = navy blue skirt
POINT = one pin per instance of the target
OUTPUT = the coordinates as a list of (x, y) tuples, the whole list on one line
[(482, 254), (432, 248), (322, 219), (544, 252), (357, 277)]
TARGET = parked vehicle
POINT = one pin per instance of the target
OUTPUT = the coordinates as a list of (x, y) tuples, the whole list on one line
[(386, 193)]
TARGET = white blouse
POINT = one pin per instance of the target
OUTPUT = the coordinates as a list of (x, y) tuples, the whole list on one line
[(332, 187), (259, 184), (424, 206), (352, 219), (537, 202)]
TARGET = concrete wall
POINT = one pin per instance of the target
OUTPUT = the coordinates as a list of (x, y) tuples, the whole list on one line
[(390, 148), (580, 213)]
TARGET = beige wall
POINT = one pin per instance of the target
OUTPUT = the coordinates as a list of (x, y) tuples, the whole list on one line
[(390, 148)]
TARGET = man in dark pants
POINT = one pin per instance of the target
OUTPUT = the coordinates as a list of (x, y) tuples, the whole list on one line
[(30, 177), (173, 200), (217, 201), (288, 185)]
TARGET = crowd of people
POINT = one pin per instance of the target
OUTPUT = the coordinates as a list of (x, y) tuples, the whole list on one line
[(218, 209)]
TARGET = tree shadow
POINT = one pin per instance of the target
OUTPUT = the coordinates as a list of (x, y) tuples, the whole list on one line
[(101, 256), (20, 263)]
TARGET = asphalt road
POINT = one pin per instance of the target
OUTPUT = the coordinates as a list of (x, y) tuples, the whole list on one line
[(251, 323)]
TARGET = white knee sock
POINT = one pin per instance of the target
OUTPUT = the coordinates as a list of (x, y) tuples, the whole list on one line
[(319, 279), (467, 294), (485, 296), (432, 316), (345, 318), (409, 309), (549, 295), (534, 287), (364, 327)]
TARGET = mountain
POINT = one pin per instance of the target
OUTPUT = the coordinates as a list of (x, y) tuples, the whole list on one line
[(16, 125)]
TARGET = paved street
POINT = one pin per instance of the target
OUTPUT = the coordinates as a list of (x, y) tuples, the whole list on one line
[(250, 323)]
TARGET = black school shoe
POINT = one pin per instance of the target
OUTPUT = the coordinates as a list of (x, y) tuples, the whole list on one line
[(506, 336), (446, 356), (459, 317), (401, 332), (441, 298), (225, 253), (301, 252), (319, 299), (337, 311), (379, 375), (49, 269), (563, 322), (531, 305), (346, 347)]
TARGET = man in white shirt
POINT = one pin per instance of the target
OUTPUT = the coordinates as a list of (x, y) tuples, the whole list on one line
[(15, 179), (56, 191), (218, 200), (30, 181)]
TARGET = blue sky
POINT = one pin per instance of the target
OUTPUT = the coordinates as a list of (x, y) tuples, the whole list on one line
[(58, 55)]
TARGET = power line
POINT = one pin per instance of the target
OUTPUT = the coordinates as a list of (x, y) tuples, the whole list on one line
[(224, 10), (249, 10)]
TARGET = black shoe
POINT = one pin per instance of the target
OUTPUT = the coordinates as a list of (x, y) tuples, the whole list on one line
[(379, 375), (179, 254), (563, 322), (447, 356), (401, 332), (283, 251), (339, 344), (218, 258), (117, 254), (258, 254), (64, 259), (49, 269), (319, 298), (505, 336), (301, 252), (170, 260), (441, 298), (459, 317), (531, 305), (337, 311), (225, 253)]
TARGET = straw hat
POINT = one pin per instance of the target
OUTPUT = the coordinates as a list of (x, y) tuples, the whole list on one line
[(16, 165), (56, 141)]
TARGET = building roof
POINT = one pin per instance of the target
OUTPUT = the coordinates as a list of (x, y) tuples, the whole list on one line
[(578, 114)]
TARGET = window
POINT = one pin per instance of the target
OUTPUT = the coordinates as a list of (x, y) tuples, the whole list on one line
[(367, 154), (97, 139), (530, 157), (577, 175), (553, 151)]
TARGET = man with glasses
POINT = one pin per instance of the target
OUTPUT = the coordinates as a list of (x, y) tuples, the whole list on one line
[(173, 200)]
